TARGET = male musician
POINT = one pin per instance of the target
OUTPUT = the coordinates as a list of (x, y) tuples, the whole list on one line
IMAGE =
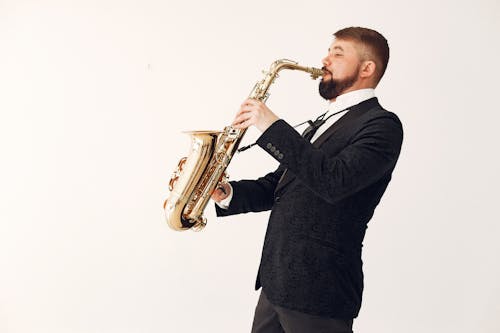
[(323, 194)]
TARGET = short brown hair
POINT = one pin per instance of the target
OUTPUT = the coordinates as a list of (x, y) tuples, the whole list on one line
[(376, 44)]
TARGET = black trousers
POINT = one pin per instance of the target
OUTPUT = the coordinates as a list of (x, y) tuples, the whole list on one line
[(270, 318)]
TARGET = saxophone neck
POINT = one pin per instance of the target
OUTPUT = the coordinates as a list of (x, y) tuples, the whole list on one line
[(260, 90), (293, 65)]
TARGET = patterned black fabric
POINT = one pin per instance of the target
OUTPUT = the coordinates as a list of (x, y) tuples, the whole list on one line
[(311, 258)]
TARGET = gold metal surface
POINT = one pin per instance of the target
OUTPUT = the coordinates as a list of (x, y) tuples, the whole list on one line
[(198, 174)]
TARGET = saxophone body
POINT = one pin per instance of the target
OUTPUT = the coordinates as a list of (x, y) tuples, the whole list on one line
[(198, 174)]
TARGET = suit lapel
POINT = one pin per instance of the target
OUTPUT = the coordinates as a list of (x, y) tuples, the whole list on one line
[(348, 118)]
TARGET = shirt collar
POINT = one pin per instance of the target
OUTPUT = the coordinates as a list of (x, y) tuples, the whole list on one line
[(351, 98)]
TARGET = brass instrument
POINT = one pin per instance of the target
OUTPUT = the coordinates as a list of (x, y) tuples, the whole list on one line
[(197, 175)]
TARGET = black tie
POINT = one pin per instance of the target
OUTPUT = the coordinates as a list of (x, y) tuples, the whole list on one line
[(312, 129), (313, 126)]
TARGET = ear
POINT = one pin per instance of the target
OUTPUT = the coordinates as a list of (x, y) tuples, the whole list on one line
[(368, 68)]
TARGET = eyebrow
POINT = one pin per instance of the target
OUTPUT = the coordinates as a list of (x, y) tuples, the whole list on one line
[(336, 48)]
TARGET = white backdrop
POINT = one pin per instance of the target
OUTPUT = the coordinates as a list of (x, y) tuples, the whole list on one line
[(94, 96)]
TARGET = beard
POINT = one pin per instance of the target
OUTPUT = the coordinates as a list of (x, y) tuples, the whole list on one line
[(334, 87)]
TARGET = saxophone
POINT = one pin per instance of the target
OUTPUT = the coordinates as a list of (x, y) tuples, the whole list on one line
[(198, 174)]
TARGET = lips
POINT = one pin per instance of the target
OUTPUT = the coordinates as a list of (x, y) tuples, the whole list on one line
[(327, 75), (326, 71)]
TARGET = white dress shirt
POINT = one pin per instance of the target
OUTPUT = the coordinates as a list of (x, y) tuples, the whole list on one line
[(342, 102)]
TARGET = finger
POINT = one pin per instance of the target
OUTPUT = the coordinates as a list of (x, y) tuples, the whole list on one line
[(244, 114), (244, 124), (243, 110), (238, 120), (222, 189), (217, 194), (239, 125), (248, 101), (252, 101), (242, 118)]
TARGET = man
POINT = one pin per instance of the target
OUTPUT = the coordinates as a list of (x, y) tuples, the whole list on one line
[(323, 194)]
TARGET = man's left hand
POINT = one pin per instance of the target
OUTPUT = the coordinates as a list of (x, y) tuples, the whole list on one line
[(254, 112)]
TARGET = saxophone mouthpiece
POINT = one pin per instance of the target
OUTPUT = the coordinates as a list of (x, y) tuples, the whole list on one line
[(316, 72)]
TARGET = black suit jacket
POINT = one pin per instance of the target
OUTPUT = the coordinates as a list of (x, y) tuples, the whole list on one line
[(320, 207)]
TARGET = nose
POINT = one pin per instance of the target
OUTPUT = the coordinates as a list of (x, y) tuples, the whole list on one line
[(326, 61)]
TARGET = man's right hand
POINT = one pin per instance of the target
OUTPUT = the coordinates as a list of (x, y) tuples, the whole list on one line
[(222, 191)]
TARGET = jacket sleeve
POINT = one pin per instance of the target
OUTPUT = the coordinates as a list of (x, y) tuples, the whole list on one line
[(370, 154), (252, 195)]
